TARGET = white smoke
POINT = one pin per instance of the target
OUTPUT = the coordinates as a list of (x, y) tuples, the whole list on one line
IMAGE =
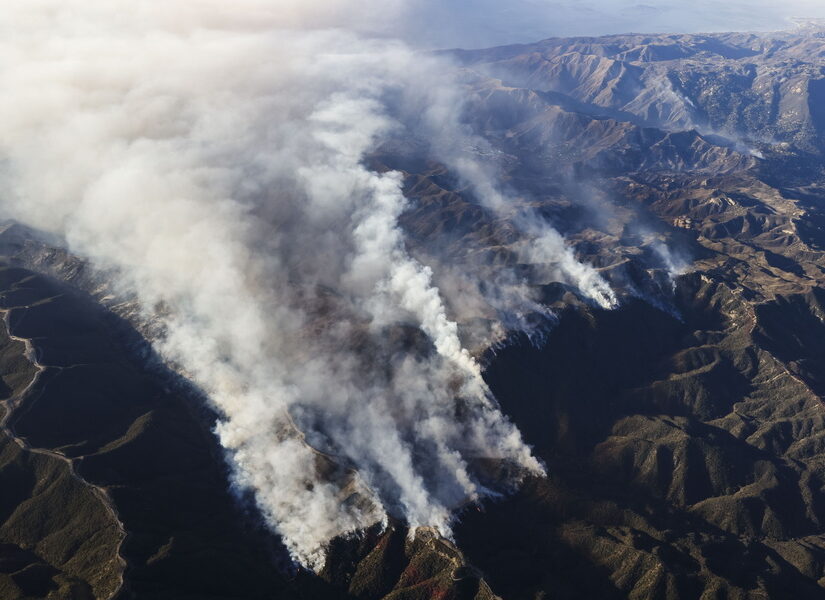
[(467, 155), (213, 157)]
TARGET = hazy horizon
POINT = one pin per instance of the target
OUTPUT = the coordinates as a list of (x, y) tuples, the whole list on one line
[(484, 23)]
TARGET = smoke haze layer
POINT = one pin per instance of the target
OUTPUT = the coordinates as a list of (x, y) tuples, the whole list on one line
[(214, 160)]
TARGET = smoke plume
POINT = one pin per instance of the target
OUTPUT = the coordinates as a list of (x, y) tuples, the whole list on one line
[(213, 158)]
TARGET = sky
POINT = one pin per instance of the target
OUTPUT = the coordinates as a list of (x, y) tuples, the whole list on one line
[(481, 23)]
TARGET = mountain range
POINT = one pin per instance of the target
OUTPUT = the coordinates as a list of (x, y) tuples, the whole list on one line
[(683, 432)]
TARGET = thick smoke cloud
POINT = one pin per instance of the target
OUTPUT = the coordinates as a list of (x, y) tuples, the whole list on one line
[(213, 158)]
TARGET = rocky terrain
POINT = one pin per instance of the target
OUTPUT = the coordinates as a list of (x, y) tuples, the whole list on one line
[(683, 432)]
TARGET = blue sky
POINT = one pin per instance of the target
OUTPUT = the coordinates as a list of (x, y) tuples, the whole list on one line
[(479, 23)]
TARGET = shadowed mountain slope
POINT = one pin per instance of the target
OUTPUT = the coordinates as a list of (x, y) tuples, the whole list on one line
[(114, 486)]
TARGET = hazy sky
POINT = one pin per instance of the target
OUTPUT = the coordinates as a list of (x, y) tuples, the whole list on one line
[(478, 23)]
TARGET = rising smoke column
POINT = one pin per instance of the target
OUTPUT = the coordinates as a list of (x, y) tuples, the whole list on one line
[(443, 112), (213, 159)]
